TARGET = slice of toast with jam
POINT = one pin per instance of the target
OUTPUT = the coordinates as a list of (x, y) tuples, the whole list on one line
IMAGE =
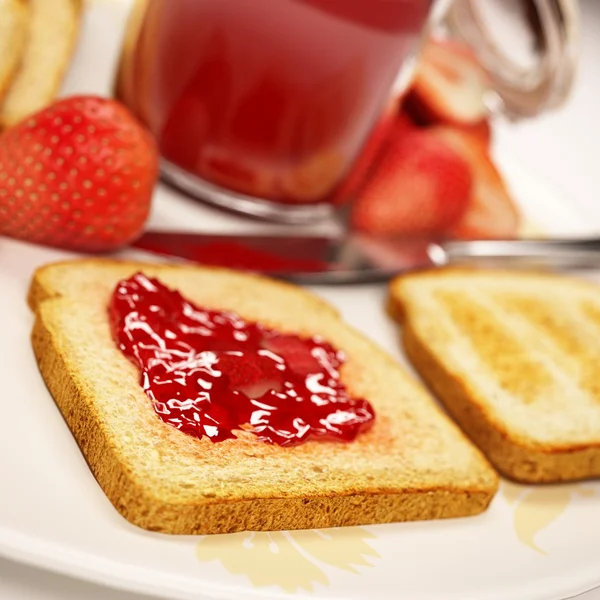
[(408, 462)]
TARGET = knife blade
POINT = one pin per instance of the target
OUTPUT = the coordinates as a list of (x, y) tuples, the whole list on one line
[(352, 258), (359, 258)]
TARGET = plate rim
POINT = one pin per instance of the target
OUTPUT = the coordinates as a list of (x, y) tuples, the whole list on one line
[(101, 571), (57, 557)]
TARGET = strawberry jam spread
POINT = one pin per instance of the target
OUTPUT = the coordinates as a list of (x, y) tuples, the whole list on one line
[(209, 373)]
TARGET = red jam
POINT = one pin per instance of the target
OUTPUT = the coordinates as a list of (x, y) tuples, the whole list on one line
[(209, 373)]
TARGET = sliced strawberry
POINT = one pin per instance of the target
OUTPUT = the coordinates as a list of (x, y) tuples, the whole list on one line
[(419, 186), (449, 85), (492, 212), (78, 175), (480, 132), (391, 121)]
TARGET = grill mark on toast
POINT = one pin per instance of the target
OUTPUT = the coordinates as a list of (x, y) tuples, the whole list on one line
[(564, 388), (591, 311), (504, 356), (575, 336)]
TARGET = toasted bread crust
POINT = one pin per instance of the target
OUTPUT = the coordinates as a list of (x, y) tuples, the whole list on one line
[(41, 287), (518, 459)]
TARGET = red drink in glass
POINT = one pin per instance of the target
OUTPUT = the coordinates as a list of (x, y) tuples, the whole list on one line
[(269, 99)]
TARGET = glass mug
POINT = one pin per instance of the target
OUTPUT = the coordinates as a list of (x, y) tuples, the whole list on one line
[(263, 106)]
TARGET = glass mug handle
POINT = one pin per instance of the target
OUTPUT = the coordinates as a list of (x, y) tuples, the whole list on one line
[(520, 91)]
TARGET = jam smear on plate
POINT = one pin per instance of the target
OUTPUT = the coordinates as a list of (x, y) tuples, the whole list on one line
[(209, 373)]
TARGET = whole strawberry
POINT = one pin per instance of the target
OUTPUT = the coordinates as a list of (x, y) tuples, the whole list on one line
[(77, 175)]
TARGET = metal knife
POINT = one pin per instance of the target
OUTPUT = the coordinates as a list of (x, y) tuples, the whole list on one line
[(359, 258)]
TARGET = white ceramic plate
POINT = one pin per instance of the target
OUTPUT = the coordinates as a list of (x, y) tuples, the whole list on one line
[(532, 544)]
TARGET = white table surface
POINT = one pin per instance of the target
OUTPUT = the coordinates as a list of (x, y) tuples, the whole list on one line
[(562, 147)]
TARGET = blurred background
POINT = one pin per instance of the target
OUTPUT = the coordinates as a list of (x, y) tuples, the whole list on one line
[(560, 148)]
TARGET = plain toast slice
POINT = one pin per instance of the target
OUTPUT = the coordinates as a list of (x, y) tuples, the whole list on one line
[(53, 28), (515, 358), (14, 19), (414, 463)]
